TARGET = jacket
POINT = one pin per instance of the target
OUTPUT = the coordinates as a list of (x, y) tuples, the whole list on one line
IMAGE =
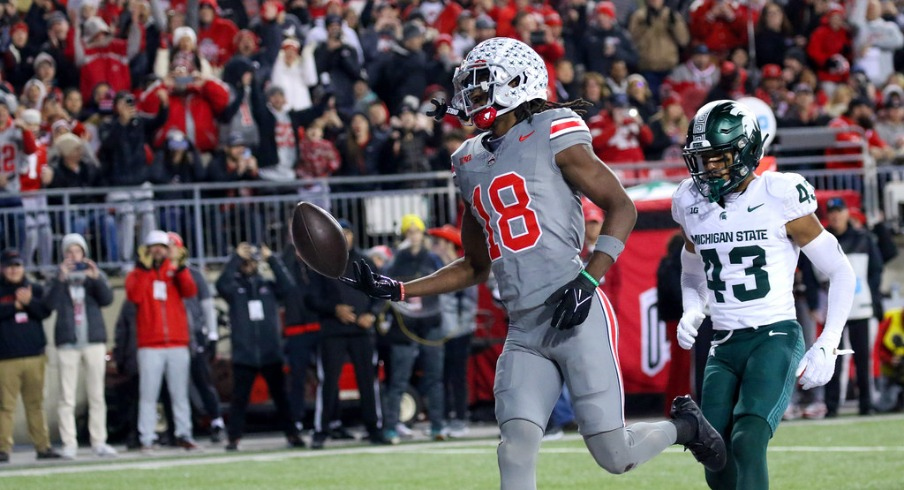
[(658, 36), (125, 346), (300, 318), (256, 340), (160, 323), (333, 293), (125, 155), (193, 112), (200, 312), (406, 266), (860, 248), (97, 295), (22, 331)]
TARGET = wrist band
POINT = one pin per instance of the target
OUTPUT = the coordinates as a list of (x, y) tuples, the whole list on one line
[(610, 246), (401, 291), (590, 278)]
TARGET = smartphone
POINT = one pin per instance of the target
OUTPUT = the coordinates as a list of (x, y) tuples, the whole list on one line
[(81, 266), (182, 81)]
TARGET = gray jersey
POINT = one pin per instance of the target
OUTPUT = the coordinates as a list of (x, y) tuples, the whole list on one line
[(531, 217)]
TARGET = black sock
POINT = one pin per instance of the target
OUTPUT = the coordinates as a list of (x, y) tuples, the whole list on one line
[(686, 428)]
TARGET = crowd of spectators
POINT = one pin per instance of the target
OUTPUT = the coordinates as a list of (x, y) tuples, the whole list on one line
[(183, 91)]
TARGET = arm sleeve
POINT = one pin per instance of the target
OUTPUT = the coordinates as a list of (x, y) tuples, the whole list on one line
[(825, 254), (693, 282)]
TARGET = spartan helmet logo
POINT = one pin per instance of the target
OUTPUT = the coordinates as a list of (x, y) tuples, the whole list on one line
[(723, 216)]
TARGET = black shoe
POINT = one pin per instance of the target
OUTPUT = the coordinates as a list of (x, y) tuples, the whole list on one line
[(4, 457), (187, 444), (233, 445), (48, 453), (295, 441), (317, 440), (707, 445), (376, 438), (341, 434), (216, 434)]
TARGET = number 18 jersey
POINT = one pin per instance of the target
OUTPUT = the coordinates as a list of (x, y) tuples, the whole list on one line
[(531, 217), (748, 257)]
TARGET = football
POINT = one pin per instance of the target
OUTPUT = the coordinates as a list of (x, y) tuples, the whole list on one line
[(319, 240)]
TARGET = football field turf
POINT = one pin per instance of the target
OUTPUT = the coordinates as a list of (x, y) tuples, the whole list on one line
[(844, 453)]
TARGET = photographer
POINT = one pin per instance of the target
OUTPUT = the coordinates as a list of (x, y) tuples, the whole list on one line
[(539, 37), (77, 294), (406, 150), (256, 336), (337, 64), (125, 163), (606, 41)]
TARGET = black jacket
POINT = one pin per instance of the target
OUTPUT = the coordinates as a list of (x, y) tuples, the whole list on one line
[(255, 342), (298, 310), (267, 155), (125, 343), (97, 295), (406, 266), (335, 293), (123, 151), (22, 336)]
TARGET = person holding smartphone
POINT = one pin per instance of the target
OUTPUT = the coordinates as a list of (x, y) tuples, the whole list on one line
[(77, 293)]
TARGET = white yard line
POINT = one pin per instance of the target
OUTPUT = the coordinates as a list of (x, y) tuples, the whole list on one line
[(167, 459)]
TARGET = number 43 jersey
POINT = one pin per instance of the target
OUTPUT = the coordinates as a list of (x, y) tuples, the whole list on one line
[(531, 217), (748, 257)]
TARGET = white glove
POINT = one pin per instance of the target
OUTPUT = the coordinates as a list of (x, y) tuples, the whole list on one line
[(687, 328), (817, 366)]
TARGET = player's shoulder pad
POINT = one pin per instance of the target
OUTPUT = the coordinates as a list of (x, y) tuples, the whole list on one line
[(562, 121), (466, 148), (794, 192), (684, 197)]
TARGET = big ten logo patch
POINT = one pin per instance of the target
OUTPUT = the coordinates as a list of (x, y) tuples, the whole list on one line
[(654, 347)]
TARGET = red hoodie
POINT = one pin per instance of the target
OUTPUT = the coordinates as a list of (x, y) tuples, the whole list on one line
[(161, 323)]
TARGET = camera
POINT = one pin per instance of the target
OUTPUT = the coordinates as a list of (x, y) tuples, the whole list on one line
[(538, 38), (183, 81)]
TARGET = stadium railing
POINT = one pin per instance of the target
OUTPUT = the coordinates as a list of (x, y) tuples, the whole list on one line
[(214, 217)]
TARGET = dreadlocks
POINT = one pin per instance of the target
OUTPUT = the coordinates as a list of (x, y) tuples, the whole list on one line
[(536, 106)]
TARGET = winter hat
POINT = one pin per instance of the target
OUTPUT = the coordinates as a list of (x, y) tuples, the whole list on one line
[(93, 27), (74, 239), (43, 58), (67, 143), (31, 116), (607, 8), (157, 237), (184, 31), (412, 220)]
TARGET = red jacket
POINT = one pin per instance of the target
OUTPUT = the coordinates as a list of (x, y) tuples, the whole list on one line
[(719, 35), (160, 323), (203, 104), (106, 64), (215, 41), (873, 140), (824, 43)]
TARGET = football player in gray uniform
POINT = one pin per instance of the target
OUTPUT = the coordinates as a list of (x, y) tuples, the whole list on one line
[(743, 235), (522, 179)]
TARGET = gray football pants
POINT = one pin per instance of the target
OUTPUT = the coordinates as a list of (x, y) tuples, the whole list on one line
[(535, 361)]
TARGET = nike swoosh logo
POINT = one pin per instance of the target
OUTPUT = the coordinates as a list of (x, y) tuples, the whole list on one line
[(525, 136), (751, 209), (583, 301), (773, 333)]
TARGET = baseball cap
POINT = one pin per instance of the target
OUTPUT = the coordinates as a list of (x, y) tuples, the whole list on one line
[(10, 257), (175, 240), (592, 212), (700, 49), (410, 220), (485, 22), (772, 71), (156, 237), (836, 204), (235, 139), (175, 140), (607, 8), (446, 232)]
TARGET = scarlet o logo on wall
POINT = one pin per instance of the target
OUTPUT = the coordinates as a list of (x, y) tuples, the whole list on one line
[(654, 348)]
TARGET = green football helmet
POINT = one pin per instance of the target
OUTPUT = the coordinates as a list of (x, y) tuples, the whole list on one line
[(719, 127)]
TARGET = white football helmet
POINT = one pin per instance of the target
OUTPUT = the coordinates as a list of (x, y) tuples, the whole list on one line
[(507, 71)]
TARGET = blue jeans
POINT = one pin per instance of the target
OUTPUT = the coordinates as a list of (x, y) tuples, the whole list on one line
[(98, 227), (402, 358)]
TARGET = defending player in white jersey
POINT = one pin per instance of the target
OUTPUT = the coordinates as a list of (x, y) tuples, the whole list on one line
[(522, 180), (743, 234)]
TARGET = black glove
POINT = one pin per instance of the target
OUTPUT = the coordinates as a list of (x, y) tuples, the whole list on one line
[(373, 285), (574, 300), (440, 109)]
